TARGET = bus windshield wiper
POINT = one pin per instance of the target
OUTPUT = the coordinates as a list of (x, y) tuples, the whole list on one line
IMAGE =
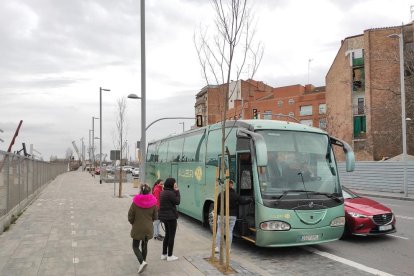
[(291, 191), (331, 196)]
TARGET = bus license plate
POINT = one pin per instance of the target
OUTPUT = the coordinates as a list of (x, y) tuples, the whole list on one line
[(309, 237), (385, 227)]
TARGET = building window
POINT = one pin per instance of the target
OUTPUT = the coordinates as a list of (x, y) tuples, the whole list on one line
[(291, 101), (267, 115), (279, 103), (306, 122), (322, 123), (360, 127), (305, 110), (358, 75), (361, 106), (322, 109)]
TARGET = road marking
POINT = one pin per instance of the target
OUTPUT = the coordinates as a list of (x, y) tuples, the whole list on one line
[(347, 262), (75, 260), (404, 238), (404, 217)]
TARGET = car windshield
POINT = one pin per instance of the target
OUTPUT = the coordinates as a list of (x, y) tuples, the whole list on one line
[(298, 161)]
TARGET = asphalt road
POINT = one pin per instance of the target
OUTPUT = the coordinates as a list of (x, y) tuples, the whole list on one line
[(383, 255)]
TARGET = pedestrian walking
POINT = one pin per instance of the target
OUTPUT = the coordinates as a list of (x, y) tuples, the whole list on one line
[(156, 191), (141, 214), (234, 201), (168, 214)]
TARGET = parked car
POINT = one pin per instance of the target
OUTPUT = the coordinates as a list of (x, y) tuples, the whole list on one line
[(127, 169), (135, 172), (366, 217)]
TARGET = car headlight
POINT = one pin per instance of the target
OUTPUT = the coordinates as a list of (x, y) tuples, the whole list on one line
[(356, 215), (339, 221), (274, 225)]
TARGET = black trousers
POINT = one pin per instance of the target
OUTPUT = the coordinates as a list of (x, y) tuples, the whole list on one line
[(141, 254), (168, 243)]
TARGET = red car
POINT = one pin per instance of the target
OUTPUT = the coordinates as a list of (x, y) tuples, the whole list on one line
[(366, 217)]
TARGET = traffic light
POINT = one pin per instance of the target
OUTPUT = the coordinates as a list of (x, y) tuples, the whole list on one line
[(199, 120), (255, 113)]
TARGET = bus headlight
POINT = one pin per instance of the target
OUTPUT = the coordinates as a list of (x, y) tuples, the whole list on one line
[(274, 225), (339, 221)]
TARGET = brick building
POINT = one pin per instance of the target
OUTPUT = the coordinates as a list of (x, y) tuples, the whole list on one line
[(363, 93), (305, 103)]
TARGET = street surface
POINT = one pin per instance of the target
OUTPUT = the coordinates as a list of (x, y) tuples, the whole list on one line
[(382, 255)]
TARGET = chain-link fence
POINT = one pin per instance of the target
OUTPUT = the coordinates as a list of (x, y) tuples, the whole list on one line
[(21, 179)]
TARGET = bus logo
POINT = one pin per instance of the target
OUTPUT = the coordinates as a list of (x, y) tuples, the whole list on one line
[(198, 173)]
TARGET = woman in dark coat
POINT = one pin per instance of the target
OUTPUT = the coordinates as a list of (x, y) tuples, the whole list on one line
[(142, 213), (168, 214)]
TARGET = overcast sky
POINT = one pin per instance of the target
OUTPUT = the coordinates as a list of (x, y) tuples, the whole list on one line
[(55, 54)]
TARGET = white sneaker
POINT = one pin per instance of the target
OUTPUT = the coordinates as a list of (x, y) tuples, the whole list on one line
[(172, 258), (163, 257), (142, 266), (217, 250)]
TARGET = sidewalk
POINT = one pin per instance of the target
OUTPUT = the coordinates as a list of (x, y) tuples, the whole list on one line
[(77, 227)]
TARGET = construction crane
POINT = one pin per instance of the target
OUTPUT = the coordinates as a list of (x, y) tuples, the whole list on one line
[(76, 149)]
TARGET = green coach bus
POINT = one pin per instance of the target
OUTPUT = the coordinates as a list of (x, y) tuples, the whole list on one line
[(288, 169)]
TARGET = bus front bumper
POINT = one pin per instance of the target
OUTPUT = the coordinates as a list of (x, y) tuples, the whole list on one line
[(298, 237)]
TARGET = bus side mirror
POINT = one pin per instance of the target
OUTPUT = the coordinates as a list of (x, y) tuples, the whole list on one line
[(349, 153), (259, 145)]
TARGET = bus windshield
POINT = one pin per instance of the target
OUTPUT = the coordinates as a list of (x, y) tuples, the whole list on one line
[(299, 164)]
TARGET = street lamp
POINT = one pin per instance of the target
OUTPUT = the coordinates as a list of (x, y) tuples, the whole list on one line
[(93, 138), (143, 138), (403, 115), (100, 130)]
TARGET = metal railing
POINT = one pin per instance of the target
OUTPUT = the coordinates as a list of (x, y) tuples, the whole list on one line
[(21, 179)]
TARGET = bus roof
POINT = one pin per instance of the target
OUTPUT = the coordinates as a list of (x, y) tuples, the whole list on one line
[(253, 125), (281, 125)]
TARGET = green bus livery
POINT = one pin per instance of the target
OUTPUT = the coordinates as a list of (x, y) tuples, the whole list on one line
[(288, 169)]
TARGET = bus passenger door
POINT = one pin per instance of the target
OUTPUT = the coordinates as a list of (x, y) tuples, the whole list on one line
[(246, 222)]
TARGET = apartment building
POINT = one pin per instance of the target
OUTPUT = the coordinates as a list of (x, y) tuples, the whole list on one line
[(250, 99), (363, 93)]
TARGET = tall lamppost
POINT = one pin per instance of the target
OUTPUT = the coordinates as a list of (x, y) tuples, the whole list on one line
[(142, 141), (403, 115), (93, 139), (90, 151), (100, 131)]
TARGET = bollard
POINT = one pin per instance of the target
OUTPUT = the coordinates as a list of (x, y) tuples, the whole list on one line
[(135, 183)]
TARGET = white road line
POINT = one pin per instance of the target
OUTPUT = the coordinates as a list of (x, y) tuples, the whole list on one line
[(404, 217), (347, 262), (404, 238)]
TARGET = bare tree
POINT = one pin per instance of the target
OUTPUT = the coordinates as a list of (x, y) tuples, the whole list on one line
[(68, 154), (223, 56), (120, 134)]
